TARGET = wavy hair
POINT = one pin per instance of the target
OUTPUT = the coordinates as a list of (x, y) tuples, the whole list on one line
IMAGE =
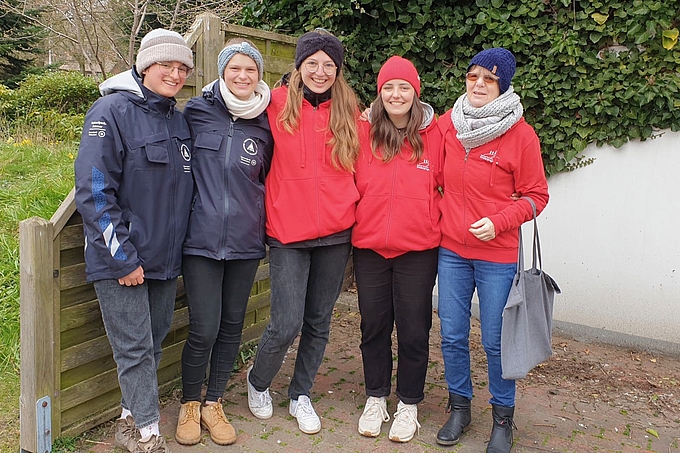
[(386, 138), (343, 118)]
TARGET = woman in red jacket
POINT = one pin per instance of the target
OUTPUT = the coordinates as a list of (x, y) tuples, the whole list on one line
[(395, 240), (490, 153), (310, 203)]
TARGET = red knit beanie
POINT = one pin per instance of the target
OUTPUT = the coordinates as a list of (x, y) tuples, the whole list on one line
[(399, 68)]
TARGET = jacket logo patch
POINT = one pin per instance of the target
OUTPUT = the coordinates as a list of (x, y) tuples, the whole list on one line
[(97, 129), (248, 161), (184, 151), (250, 146), (489, 157), (424, 165)]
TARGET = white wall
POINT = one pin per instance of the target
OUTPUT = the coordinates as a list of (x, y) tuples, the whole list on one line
[(611, 239)]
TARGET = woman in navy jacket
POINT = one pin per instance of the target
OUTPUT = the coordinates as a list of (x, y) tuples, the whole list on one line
[(225, 238)]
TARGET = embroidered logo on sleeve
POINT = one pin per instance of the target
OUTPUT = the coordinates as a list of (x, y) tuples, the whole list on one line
[(424, 165), (97, 129)]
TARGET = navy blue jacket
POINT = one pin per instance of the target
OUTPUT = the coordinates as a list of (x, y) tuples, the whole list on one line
[(231, 160), (133, 182)]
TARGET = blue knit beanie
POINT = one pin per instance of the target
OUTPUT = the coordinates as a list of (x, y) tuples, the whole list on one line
[(500, 62), (314, 41), (246, 49)]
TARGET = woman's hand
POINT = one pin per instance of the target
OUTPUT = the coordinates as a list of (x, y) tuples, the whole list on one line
[(134, 278), (365, 113), (483, 229)]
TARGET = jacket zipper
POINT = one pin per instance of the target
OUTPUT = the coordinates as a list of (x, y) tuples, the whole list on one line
[(171, 161), (227, 155), (465, 221), (391, 204), (316, 174)]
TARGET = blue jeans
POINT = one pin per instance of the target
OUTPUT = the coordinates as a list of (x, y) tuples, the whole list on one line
[(217, 295), (305, 283), (137, 319), (458, 278)]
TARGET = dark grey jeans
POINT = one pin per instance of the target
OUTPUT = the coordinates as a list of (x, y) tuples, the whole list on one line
[(137, 319), (305, 283)]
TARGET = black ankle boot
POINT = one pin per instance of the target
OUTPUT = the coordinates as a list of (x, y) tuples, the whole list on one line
[(458, 422), (501, 433)]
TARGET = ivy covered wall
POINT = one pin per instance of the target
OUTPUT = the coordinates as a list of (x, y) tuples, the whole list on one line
[(589, 71)]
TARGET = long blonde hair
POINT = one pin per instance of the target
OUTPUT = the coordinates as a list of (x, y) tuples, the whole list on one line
[(343, 119)]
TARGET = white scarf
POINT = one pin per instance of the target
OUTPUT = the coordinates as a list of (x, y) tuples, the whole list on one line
[(477, 126), (251, 108)]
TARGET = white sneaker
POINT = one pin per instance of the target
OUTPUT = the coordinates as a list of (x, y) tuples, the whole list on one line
[(405, 423), (375, 413), (308, 421), (260, 403)]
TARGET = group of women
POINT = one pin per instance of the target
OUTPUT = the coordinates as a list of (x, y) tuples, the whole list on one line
[(413, 195)]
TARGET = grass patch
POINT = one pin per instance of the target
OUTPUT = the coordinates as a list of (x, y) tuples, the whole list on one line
[(35, 176)]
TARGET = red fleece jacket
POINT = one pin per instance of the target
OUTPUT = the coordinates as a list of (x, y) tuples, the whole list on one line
[(398, 209), (306, 196), (480, 185)]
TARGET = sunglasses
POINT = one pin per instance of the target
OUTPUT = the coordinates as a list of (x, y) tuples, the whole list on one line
[(473, 77)]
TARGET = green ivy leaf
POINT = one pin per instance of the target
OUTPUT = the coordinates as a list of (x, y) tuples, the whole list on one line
[(600, 19), (669, 38), (653, 432)]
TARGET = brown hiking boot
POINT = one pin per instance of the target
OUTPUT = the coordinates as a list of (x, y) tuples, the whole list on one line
[(126, 434), (188, 430), (214, 420), (156, 444)]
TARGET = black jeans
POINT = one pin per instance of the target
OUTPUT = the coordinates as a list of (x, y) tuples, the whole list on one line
[(305, 284), (217, 294), (395, 291)]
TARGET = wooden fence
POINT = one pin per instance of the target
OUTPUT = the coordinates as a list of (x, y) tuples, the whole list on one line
[(68, 375)]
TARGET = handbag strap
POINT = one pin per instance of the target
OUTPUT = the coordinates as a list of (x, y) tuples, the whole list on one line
[(536, 246)]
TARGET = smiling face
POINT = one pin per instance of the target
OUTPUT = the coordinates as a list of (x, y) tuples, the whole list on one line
[(241, 76), (482, 86), (318, 81), (165, 85), (397, 96)]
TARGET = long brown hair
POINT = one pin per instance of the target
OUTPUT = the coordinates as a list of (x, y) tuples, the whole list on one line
[(343, 120), (386, 138)]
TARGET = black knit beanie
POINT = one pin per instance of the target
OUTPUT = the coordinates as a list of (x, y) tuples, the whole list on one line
[(314, 41)]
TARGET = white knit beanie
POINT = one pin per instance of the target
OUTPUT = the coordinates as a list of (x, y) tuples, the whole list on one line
[(162, 45)]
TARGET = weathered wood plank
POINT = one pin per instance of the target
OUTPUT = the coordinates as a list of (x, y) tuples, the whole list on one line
[(84, 352), (87, 370), (82, 334), (77, 295), (72, 276), (80, 315), (253, 332), (56, 321), (36, 236), (64, 213), (84, 391), (81, 414), (69, 257), (259, 300), (261, 34), (72, 236)]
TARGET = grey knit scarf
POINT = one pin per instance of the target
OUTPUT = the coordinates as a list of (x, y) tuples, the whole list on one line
[(477, 126)]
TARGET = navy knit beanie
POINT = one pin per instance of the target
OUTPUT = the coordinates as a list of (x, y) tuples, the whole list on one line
[(500, 62), (314, 41)]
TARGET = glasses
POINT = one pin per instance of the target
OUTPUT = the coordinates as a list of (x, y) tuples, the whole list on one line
[(167, 69), (313, 66), (473, 77)]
